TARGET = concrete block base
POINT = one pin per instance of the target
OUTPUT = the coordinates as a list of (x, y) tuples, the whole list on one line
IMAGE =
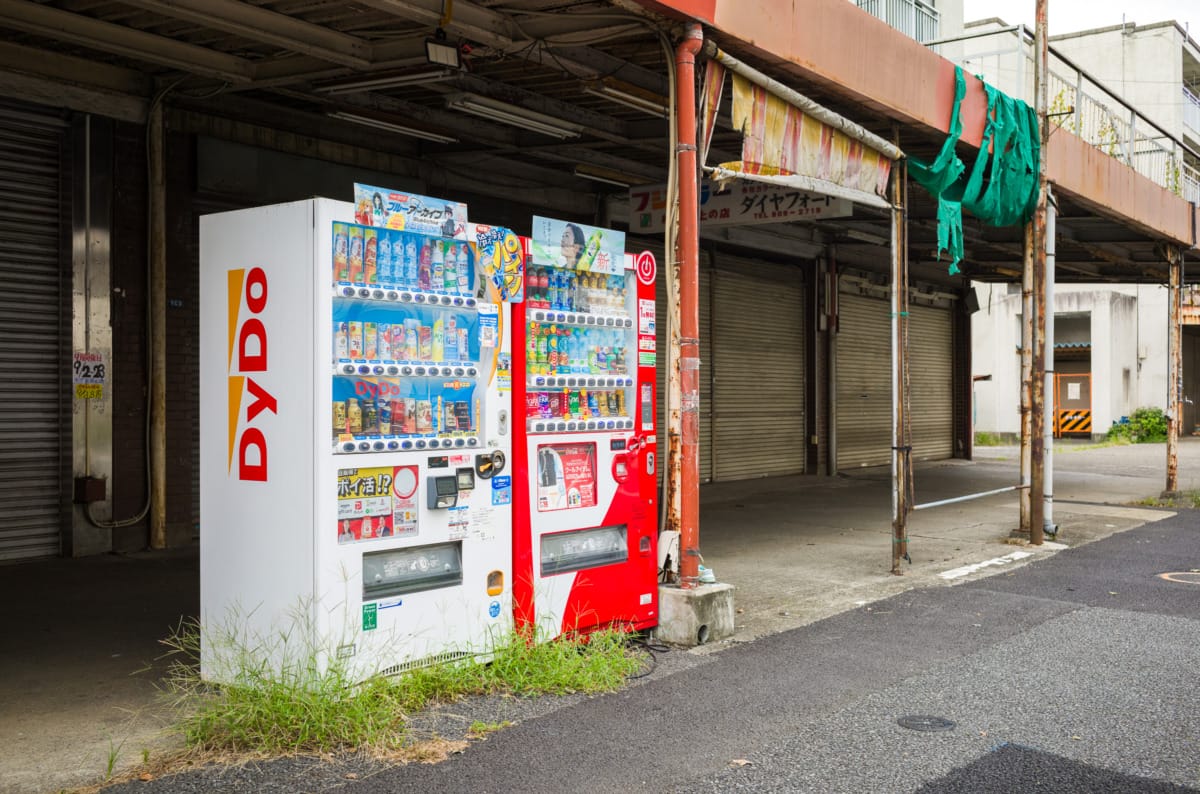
[(695, 617)]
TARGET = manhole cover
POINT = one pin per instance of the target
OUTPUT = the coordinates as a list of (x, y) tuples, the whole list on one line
[(923, 722)]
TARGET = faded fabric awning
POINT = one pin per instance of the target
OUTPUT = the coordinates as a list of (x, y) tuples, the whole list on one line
[(783, 144)]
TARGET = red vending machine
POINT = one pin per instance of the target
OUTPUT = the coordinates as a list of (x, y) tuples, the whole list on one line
[(585, 454)]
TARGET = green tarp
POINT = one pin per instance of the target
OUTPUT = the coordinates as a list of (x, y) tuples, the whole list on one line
[(1002, 187)]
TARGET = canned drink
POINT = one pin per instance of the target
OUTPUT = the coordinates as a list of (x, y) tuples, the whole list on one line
[(384, 408), (355, 266), (370, 340), (341, 252), (451, 423), (370, 256), (354, 340), (531, 404), (383, 335), (462, 415), (573, 403), (409, 421), (398, 340), (384, 258), (613, 406), (620, 403), (424, 410), (412, 339), (543, 405), (397, 409), (370, 418), (464, 345), (341, 341), (339, 416), (425, 343), (354, 417), (602, 404), (593, 404)]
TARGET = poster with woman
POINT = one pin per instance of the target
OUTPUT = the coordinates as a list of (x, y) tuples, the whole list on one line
[(576, 246)]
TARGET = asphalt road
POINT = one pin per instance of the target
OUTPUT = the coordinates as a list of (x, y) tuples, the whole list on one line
[(1080, 673)]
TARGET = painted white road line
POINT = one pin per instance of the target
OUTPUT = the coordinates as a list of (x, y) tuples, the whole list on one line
[(956, 573)]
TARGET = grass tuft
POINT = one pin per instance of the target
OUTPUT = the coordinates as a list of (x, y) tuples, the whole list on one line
[(307, 703)]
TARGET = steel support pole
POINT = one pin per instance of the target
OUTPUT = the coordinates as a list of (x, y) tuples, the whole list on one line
[(900, 456), (1026, 369), (689, 309), (158, 332), (1174, 367), (1037, 380), (1048, 394)]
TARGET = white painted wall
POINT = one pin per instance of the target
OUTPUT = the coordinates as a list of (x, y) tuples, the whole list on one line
[(1128, 332), (1144, 65)]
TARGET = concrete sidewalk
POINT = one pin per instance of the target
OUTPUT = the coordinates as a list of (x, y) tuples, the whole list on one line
[(80, 639)]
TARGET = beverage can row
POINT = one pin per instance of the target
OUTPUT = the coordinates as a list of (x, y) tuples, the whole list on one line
[(401, 416), (445, 340), (401, 260), (574, 404)]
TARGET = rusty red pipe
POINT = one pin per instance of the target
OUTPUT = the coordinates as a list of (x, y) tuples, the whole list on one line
[(688, 243)]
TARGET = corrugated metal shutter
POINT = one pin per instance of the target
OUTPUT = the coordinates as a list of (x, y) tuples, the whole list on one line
[(31, 344), (931, 382), (758, 368), (706, 406), (864, 382)]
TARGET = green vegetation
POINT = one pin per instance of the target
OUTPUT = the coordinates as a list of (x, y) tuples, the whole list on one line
[(308, 702), (1145, 426), (984, 439), (1181, 499)]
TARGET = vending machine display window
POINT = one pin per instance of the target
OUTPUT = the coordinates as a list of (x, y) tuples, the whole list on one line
[(566, 476), (576, 550), (410, 570)]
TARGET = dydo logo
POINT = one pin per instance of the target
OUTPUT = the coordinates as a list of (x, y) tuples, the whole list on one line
[(247, 356)]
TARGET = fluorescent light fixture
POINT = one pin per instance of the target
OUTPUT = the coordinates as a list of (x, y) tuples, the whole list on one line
[(443, 54), (631, 96), (867, 237), (503, 112), (380, 124), (373, 82), (609, 176)]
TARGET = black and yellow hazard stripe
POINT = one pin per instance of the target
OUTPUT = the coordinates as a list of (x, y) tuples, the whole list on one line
[(1074, 420)]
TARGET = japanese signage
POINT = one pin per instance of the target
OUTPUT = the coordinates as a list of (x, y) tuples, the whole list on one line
[(390, 209), (377, 503), (574, 246), (566, 476), (739, 203), (88, 374), (502, 254)]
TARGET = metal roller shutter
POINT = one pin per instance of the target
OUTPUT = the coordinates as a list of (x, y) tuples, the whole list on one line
[(931, 381), (864, 384), (758, 367), (31, 345), (706, 406)]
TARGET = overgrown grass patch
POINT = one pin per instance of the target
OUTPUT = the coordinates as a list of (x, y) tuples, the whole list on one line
[(1180, 500), (308, 703)]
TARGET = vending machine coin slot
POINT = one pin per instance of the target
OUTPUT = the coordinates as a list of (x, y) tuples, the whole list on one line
[(443, 492)]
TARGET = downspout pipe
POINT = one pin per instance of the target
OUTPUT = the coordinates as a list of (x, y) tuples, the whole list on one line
[(689, 307), (1048, 429)]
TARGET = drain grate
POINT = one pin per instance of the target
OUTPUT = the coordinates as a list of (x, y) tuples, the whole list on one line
[(924, 722)]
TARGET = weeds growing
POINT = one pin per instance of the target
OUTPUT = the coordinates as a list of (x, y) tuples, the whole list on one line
[(308, 702)]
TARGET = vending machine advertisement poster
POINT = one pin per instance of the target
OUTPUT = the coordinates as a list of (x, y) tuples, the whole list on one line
[(377, 503), (566, 476), (502, 254), (391, 209), (574, 246)]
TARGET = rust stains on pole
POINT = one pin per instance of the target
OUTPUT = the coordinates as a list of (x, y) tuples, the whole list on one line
[(158, 325), (689, 308), (1174, 367), (900, 449), (1037, 374), (1026, 368)]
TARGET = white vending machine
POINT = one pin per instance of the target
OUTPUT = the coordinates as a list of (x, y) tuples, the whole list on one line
[(355, 435)]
